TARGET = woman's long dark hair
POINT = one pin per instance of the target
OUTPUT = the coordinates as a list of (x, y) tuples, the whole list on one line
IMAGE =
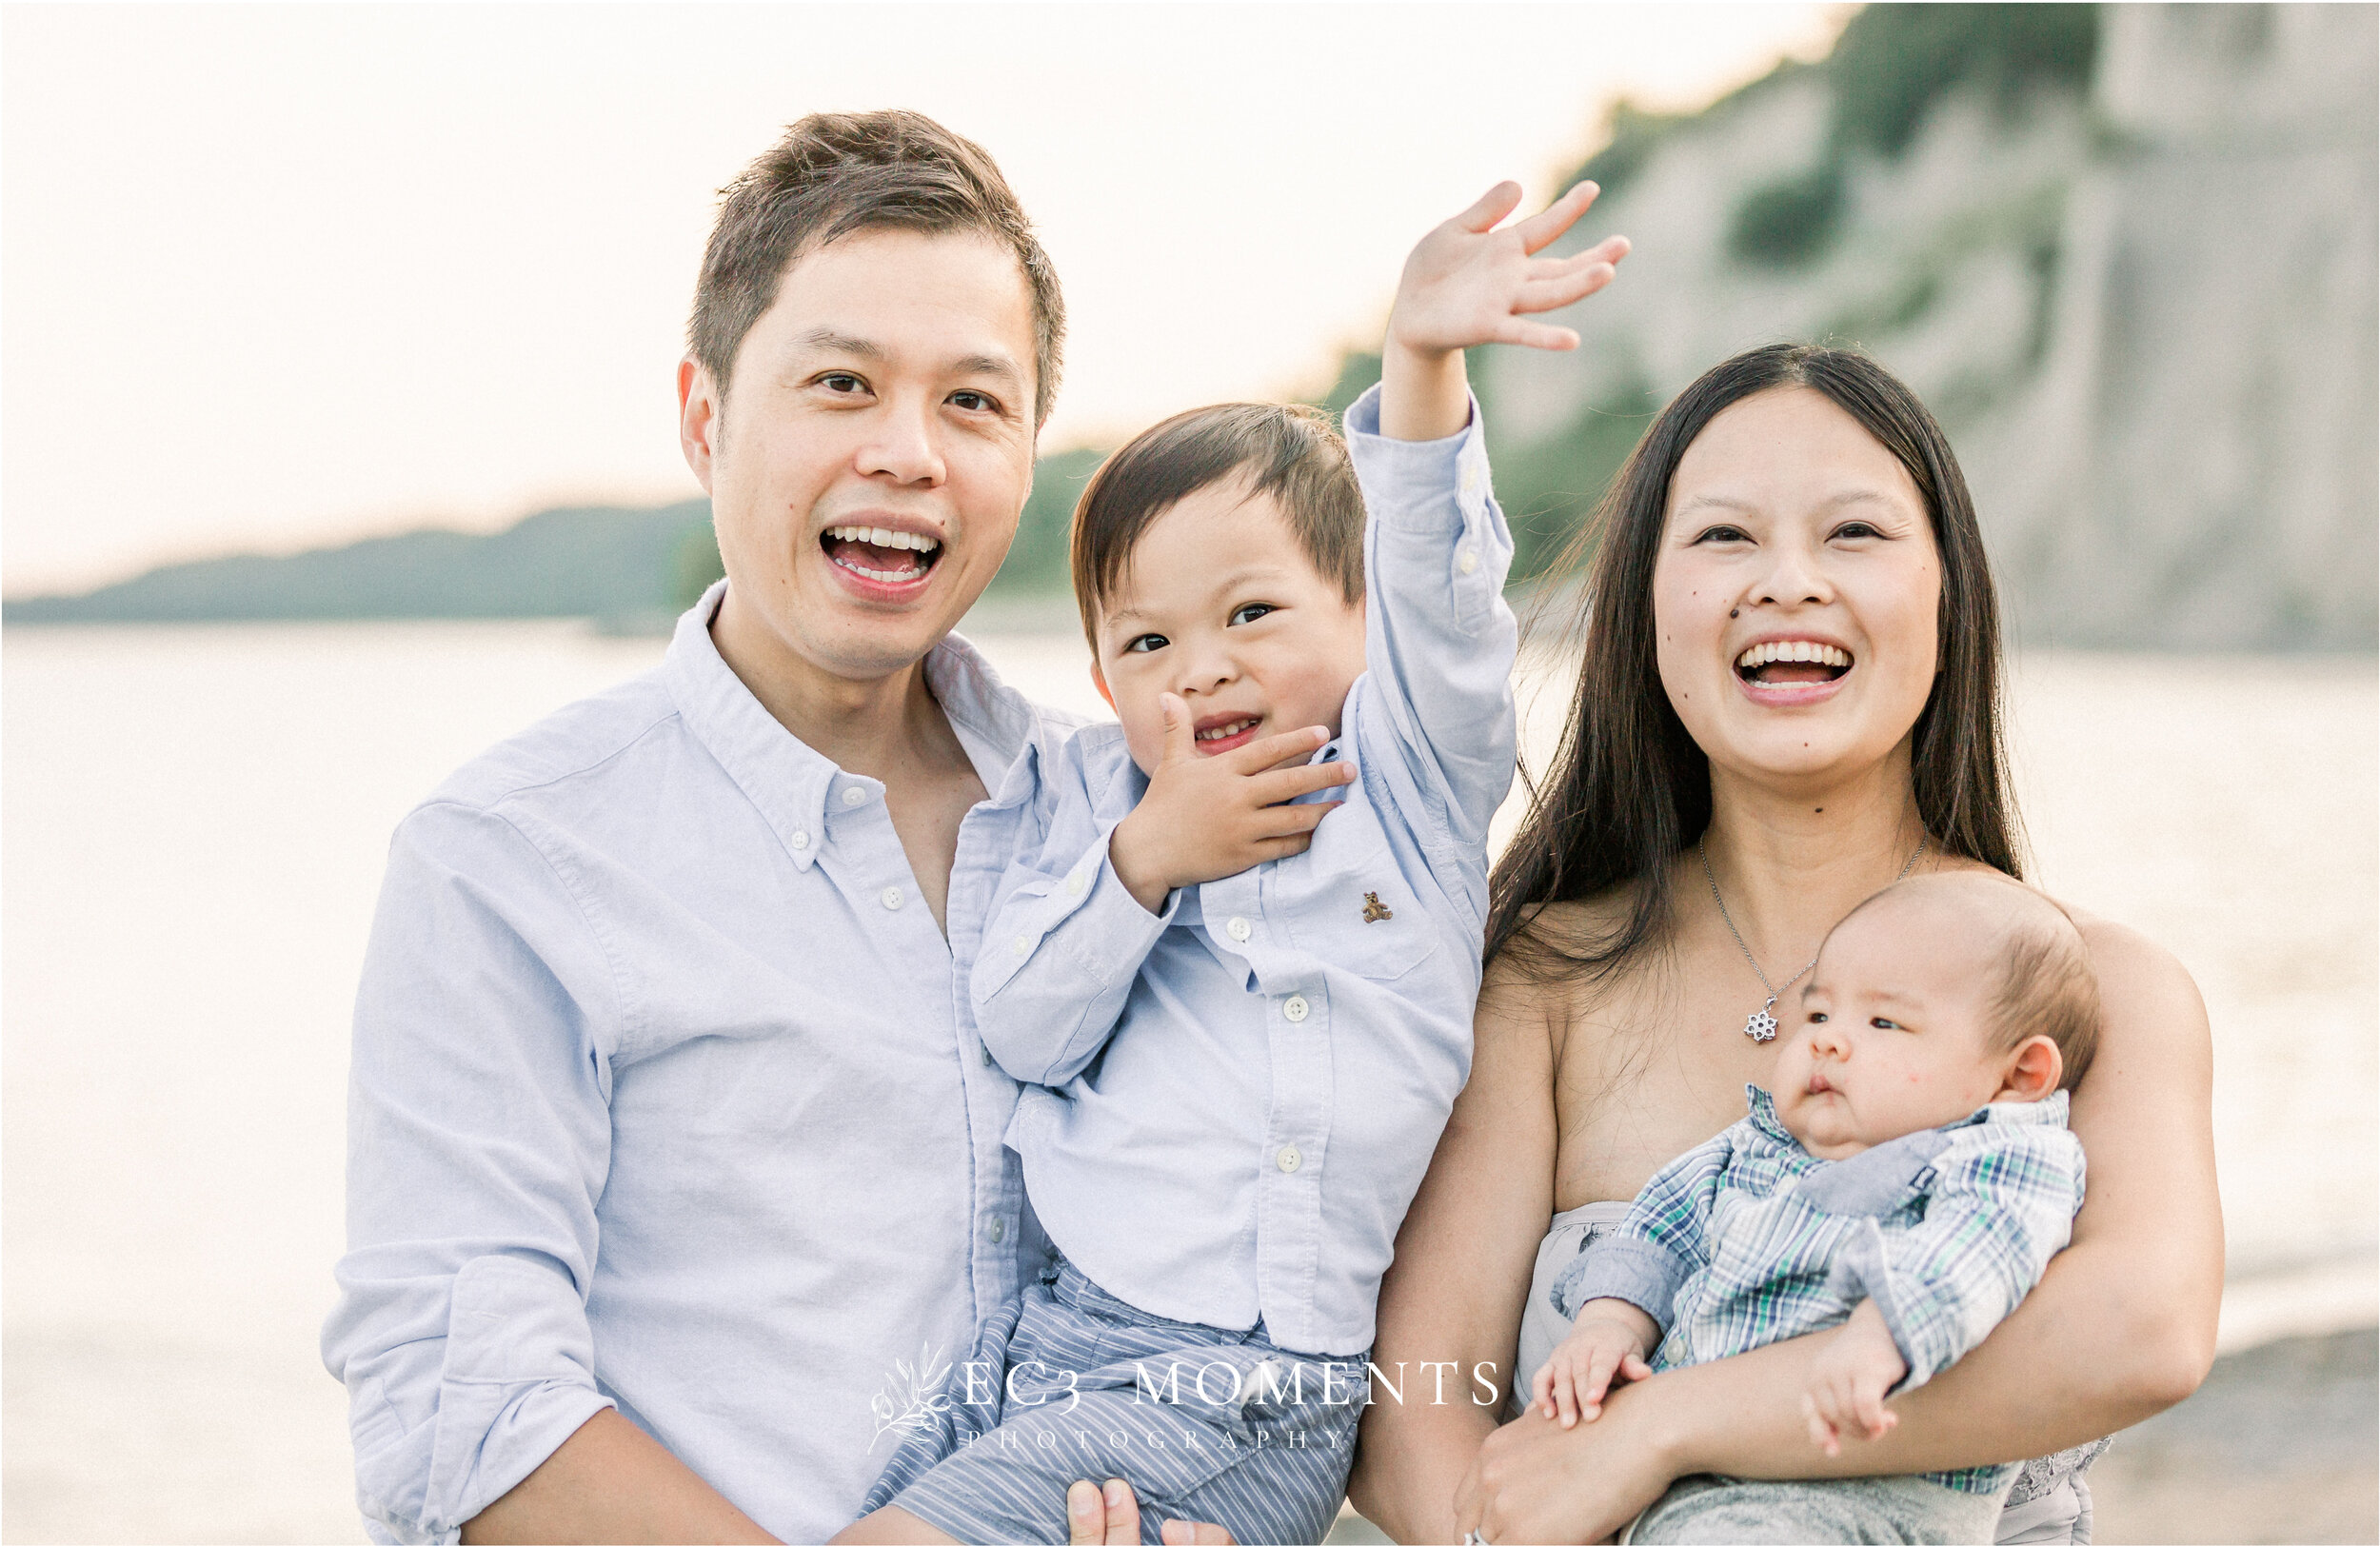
[(1629, 789)]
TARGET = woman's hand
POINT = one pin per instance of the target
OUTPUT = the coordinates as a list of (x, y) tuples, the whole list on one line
[(1539, 1481), (1112, 1519)]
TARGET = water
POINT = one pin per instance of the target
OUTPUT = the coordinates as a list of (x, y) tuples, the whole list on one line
[(195, 822)]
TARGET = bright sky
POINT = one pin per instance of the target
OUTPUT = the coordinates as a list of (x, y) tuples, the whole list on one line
[(276, 276)]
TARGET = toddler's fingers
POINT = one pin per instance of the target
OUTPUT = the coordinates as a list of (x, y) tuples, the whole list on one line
[(1293, 821), (1635, 1368), (1541, 1388), (1259, 755), (1492, 205), (1535, 335)]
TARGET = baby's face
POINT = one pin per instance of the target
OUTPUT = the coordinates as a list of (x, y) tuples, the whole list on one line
[(1893, 1034), (1220, 606)]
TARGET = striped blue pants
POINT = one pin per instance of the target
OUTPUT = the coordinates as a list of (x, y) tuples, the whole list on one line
[(1067, 1383)]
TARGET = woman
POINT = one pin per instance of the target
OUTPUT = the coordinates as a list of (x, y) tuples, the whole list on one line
[(1710, 816)]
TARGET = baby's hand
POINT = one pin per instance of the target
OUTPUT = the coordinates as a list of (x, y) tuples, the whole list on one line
[(1204, 818), (1606, 1347), (1848, 1378), (1468, 284)]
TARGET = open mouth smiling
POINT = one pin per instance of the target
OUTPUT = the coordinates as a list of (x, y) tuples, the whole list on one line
[(881, 554), (1787, 664)]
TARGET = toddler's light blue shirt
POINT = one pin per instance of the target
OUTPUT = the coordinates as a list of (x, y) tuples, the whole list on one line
[(1232, 1103)]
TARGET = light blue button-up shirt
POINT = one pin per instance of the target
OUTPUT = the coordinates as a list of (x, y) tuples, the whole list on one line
[(1232, 1103), (667, 1095)]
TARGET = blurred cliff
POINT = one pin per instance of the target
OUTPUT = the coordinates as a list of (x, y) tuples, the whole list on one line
[(2126, 253)]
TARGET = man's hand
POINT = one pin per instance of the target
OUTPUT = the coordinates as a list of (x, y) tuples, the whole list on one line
[(1607, 1346), (1468, 284), (1204, 818), (1112, 1519), (1849, 1377)]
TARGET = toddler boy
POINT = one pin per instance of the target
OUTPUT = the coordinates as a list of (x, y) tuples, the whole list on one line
[(1243, 1013)]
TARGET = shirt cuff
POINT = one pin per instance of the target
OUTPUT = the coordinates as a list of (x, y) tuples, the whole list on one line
[(1416, 483), (1620, 1268), (1860, 1272)]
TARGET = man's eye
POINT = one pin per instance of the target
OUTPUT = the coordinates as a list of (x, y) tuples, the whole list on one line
[(1252, 612), (841, 382), (975, 402), (1144, 643)]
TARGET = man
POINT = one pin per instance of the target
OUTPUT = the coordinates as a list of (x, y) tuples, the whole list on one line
[(669, 1130)]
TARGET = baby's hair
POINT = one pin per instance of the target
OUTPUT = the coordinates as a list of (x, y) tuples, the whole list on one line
[(1290, 452), (2046, 987)]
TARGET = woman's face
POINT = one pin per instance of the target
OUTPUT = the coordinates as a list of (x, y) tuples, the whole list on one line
[(1795, 597)]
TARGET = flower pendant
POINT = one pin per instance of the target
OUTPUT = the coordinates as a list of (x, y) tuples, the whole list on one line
[(1761, 1025)]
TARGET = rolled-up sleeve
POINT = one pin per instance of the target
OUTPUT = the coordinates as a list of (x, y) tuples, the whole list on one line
[(479, 1139)]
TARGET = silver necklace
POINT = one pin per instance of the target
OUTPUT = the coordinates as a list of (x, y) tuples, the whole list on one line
[(1761, 1025)]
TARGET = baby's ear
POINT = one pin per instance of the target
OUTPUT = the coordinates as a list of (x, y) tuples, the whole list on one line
[(2035, 1070)]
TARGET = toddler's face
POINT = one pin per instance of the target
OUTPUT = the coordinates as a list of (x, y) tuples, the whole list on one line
[(1893, 1034), (1220, 606)]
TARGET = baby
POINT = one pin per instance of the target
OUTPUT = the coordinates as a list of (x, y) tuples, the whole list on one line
[(1240, 1012), (1906, 1178)]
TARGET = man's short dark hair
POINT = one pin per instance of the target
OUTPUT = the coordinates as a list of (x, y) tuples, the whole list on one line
[(835, 174), (1290, 452)]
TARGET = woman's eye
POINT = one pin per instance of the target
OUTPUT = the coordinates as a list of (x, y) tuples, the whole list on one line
[(1722, 534), (1144, 643), (1251, 612), (1854, 531)]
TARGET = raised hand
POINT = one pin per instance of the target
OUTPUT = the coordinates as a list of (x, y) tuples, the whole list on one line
[(1603, 1349), (1204, 818), (1847, 1381), (1468, 282)]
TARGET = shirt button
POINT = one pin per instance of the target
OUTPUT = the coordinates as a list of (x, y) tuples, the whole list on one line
[(893, 897), (1024, 944), (801, 840), (1289, 1159), (1295, 1010), (1073, 885), (855, 796), (1469, 561), (997, 1230), (1237, 928)]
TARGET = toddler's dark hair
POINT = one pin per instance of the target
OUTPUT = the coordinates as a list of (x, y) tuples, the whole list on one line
[(1290, 452)]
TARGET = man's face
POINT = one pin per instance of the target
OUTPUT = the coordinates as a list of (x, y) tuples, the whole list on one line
[(873, 451)]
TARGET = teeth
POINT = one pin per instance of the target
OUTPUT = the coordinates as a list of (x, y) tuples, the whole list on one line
[(884, 537), (1793, 649), (890, 577), (1225, 731)]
